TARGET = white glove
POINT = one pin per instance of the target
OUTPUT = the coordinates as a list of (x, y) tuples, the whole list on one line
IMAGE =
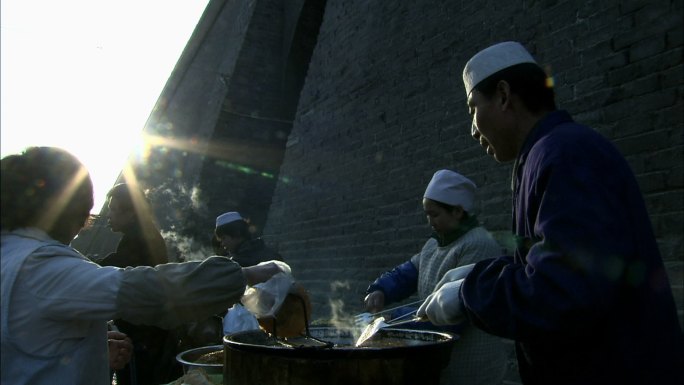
[(454, 275), (443, 306), (284, 267)]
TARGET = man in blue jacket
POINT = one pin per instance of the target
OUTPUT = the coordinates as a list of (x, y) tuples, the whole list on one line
[(585, 296)]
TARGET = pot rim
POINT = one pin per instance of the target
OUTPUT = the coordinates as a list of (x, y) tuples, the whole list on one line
[(444, 340), (199, 351)]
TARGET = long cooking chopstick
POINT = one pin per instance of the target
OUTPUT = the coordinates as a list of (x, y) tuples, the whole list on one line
[(396, 307)]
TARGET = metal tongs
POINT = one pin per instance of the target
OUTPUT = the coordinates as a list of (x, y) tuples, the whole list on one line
[(379, 323), (364, 319)]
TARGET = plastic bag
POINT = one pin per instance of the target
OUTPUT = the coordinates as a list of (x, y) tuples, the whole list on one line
[(239, 319), (264, 299), (293, 317)]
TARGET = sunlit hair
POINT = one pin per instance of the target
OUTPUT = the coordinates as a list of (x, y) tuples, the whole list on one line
[(45, 187), (131, 198)]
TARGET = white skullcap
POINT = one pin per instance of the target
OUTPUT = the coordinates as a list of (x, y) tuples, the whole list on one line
[(228, 217), (452, 188), (492, 60)]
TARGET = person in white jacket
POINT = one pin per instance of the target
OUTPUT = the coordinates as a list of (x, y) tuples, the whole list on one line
[(56, 303)]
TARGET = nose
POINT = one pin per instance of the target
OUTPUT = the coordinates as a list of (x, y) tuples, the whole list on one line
[(430, 222), (474, 132)]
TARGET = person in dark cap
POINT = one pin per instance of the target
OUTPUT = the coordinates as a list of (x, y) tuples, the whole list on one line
[(235, 241), (585, 296), (458, 240), (235, 237)]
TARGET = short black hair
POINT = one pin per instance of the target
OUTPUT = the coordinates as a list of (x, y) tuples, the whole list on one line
[(216, 246), (133, 199), (527, 80), (449, 207), (124, 195)]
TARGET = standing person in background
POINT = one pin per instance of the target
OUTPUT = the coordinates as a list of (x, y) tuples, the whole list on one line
[(233, 233), (458, 240), (129, 213), (235, 240), (155, 349), (586, 296), (56, 303)]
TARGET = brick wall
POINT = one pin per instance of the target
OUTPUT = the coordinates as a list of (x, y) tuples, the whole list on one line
[(383, 107), (250, 133)]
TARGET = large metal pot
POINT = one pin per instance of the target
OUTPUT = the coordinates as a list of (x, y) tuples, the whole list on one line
[(328, 356)]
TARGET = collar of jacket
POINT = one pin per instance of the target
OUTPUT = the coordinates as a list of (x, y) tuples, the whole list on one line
[(462, 228), (31, 232), (541, 128)]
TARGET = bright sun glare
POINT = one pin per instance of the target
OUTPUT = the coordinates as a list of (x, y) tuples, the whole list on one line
[(84, 75)]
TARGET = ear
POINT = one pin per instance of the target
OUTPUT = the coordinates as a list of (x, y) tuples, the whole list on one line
[(131, 216), (457, 211), (503, 90)]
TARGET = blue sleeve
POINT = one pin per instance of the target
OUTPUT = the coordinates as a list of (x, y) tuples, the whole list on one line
[(398, 283)]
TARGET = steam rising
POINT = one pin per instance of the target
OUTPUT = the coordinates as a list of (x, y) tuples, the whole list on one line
[(183, 248), (182, 215), (339, 318)]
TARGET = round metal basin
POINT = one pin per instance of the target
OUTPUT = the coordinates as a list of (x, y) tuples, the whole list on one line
[(207, 358), (391, 357)]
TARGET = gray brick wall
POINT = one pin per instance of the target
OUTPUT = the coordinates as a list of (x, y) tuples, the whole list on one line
[(249, 135), (383, 107)]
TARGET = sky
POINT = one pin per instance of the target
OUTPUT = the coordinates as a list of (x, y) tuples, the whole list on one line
[(84, 75)]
